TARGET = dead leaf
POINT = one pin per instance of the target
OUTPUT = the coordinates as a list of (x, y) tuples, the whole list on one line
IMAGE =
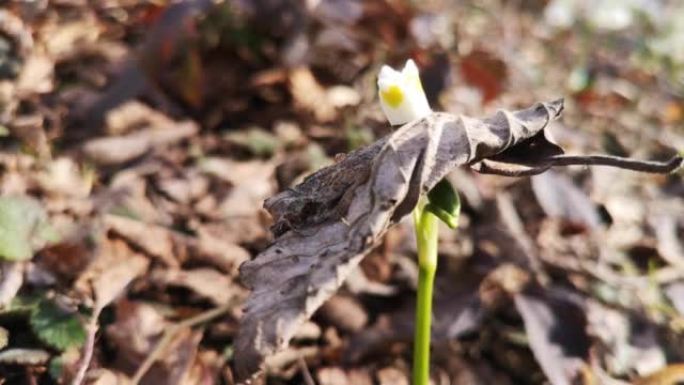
[(486, 72), (114, 279), (326, 225), (669, 375), (11, 281), (252, 183), (631, 345), (62, 39), (345, 313), (135, 332), (107, 377), (36, 76), (675, 292), (332, 375), (559, 197), (63, 177), (310, 95), (19, 356), (115, 264), (206, 283), (179, 358), (391, 376), (670, 245), (556, 335), (457, 312), (286, 362), (172, 247), (155, 240), (120, 149), (133, 115)]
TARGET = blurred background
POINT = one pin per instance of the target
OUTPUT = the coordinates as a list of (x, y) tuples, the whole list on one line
[(138, 140)]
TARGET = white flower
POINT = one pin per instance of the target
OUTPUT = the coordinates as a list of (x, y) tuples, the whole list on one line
[(611, 15), (561, 13), (401, 94)]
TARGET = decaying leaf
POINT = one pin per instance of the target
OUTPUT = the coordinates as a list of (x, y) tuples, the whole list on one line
[(559, 197), (21, 356), (114, 280), (556, 335), (120, 149), (326, 225)]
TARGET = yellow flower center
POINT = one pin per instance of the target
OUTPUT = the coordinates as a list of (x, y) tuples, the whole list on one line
[(393, 96)]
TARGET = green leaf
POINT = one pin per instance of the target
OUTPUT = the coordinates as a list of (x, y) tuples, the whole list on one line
[(444, 203), (24, 228), (259, 142), (57, 327)]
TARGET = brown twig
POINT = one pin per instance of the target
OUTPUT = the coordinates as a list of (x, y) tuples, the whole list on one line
[(615, 161), (88, 348), (306, 373), (172, 331), (501, 168)]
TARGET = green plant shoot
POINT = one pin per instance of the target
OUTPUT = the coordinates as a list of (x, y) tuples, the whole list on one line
[(402, 100)]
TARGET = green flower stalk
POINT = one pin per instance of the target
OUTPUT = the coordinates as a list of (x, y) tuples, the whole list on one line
[(403, 100)]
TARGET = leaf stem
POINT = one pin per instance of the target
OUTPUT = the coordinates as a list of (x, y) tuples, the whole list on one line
[(426, 236)]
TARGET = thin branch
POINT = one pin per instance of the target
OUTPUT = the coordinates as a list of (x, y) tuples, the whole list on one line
[(615, 161), (306, 373), (494, 168), (171, 332), (88, 348), (487, 166)]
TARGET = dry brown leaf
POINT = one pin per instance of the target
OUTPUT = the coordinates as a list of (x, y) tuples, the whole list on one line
[(178, 361), (115, 264), (11, 279), (559, 197), (114, 279), (36, 76), (556, 336), (120, 149), (155, 240), (345, 313), (172, 247), (669, 375), (310, 95), (206, 283), (326, 225), (220, 252), (107, 377), (61, 39), (371, 189), (135, 332), (187, 189), (62, 177), (333, 375), (631, 346), (252, 183), (133, 115), (392, 376)]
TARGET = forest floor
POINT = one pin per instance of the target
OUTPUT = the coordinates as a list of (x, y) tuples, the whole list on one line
[(138, 141)]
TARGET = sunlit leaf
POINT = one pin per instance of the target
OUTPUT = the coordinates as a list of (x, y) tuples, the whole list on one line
[(24, 228)]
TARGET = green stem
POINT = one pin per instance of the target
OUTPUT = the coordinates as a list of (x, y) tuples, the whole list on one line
[(426, 235)]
